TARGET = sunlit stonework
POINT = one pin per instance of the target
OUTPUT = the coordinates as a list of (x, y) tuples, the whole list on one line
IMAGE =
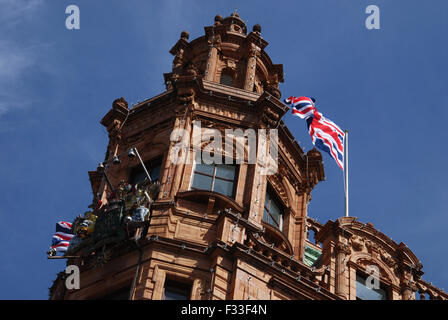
[(197, 231)]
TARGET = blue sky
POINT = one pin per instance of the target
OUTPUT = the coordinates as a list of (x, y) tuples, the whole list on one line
[(387, 87)]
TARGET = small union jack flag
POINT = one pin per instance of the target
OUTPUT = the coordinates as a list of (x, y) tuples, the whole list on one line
[(62, 236)]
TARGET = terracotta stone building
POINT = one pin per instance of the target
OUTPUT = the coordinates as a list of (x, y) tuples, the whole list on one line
[(223, 231)]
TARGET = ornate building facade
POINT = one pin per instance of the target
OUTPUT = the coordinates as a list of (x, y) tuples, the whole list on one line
[(222, 231)]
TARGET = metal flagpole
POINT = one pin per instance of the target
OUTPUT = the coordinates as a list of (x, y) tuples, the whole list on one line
[(346, 171)]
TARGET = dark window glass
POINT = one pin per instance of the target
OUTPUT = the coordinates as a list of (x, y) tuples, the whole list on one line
[(215, 177), (272, 212), (363, 292), (138, 173), (226, 79), (176, 290)]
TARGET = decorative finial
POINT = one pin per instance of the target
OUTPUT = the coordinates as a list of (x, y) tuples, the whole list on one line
[(185, 35), (218, 19), (256, 28)]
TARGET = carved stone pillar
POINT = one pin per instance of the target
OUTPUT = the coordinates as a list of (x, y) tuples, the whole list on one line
[(212, 62), (251, 68), (342, 250), (408, 287)]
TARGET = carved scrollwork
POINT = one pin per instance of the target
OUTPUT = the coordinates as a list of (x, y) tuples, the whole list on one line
[(372, 246), (279, 188)]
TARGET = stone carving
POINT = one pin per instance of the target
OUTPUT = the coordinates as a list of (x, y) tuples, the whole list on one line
[(275, 181), (215, 42), (357, 242), (386, 257), (120, 102), (178, 61), (271, 86), (342, 247), (270, 117), (190, 69), (114, 129), (256, 28), (372, 246), (184, 35), (186, 95)]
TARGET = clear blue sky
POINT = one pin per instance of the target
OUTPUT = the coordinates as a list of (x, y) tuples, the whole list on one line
[(388, 87)]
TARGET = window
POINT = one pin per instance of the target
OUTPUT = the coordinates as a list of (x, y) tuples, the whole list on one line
[(272, 212), (174, 290), (363, 292), (215, 177), (138, 173), (226, 78)]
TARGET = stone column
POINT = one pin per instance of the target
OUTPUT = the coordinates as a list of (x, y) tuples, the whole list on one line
[(408, 287), (212, 61), (342, 250), (251, 68), (174, 174)]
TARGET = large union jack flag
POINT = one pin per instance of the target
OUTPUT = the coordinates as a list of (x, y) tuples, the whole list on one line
[(325, 134)]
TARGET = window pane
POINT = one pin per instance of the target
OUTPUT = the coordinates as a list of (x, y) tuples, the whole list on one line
[(137, 176), (225, 171), (365, 293), (155, 172), (275, 218), (224, 187), (205, 168), (176, 290), (267, 200), (274, 210), (226, 79), (273, 222), (202, 182), (266, 215)]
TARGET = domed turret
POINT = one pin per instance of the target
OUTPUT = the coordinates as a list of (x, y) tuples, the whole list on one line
[(226, 54)]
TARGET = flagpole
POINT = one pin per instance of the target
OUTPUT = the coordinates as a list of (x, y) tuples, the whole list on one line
[(346, 171)]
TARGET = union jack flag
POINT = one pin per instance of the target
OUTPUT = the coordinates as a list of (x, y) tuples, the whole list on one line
[(62, 236), (305, 106), (325, 134)]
